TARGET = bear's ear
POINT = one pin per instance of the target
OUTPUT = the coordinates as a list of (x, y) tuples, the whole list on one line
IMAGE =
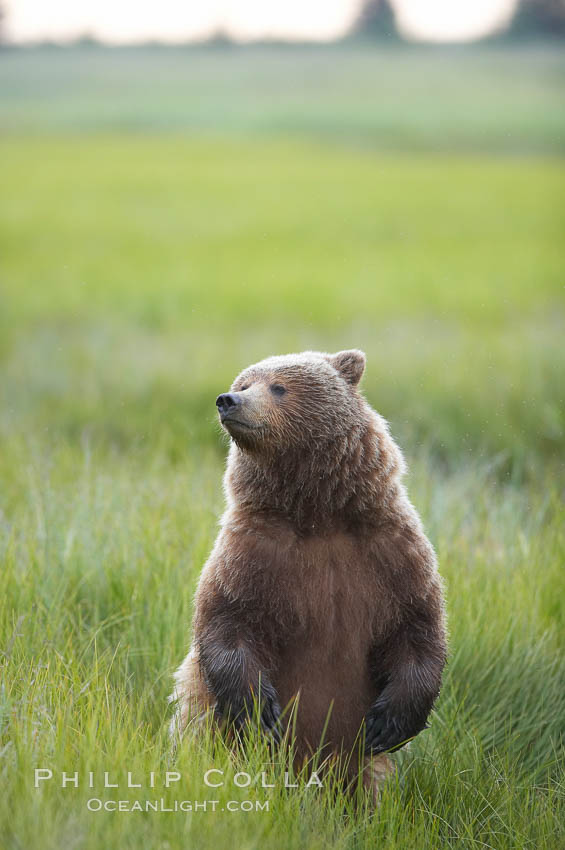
[(350, 365)]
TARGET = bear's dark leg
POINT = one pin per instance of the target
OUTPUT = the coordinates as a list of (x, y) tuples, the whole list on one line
[(234, 676), (411, 663)]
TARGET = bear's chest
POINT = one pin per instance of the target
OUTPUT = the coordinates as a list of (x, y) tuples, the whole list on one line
[(319, 589), (336, 593)]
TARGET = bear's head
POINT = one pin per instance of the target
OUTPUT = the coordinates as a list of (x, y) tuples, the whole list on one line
[(294, 401)]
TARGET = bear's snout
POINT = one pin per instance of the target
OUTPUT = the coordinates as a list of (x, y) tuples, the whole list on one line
[(227, 403)]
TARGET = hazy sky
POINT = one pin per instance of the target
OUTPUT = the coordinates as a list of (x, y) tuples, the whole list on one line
[(177, 20)]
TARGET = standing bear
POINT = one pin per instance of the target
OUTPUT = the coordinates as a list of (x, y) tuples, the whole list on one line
[(320, 602)]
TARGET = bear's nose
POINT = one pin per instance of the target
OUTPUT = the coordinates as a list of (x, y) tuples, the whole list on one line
[(226, 402)]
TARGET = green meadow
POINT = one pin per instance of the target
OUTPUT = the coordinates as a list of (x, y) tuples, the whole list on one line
[(168, 217)]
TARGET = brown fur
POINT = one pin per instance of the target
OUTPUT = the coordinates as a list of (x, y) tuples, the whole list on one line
[(321, 585)]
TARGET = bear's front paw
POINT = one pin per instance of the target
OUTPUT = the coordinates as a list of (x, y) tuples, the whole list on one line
[(243, 713), (386, 731), (270, 715)]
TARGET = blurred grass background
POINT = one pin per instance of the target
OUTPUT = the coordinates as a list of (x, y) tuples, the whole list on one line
[(398, 97), (168, 217)]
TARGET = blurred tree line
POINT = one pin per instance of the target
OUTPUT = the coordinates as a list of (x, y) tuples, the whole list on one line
[(538, 18), (531, 18), (376, 20)]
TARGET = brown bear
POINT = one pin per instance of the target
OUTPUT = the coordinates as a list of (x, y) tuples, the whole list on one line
[(321, 595)]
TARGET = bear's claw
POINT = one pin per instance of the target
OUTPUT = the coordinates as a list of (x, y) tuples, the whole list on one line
[(385, 733), (243, 716)]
